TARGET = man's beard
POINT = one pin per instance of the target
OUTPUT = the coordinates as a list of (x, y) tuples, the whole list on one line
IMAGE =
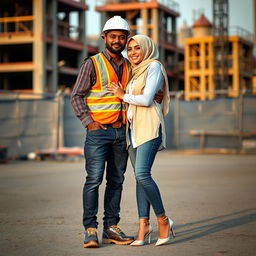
[(109, 47)]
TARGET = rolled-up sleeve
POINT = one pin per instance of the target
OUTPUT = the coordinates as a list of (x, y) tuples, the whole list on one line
[(85, 80)]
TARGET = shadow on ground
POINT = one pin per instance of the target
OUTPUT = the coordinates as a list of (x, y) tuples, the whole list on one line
[(198, 229)]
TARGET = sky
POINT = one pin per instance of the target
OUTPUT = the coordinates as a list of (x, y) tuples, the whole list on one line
[(240, 13)]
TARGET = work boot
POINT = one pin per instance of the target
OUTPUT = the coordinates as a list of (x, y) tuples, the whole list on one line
[(91, 238), (114, 235)]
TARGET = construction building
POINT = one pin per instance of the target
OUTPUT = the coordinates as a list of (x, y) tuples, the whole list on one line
[(42, 44), (40, 47), (199, 62), (156, 19), (254, 39)]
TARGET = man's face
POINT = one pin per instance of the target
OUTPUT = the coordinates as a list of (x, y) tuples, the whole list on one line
[(115, 41)]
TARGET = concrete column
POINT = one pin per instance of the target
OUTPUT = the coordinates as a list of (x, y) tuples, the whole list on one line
[(176, 57), (144, 17), (202, 70), (236, 72), (187, 69), (160, 37), (174, 32), (53, 83), (82, 37), (103, 19), (155, 34), (39, 46), (211, 67), (254, 25)]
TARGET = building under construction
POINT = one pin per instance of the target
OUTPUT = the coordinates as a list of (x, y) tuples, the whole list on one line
[(254, 40), (202, 63), (42, 44), (158, 20), (40, 48)]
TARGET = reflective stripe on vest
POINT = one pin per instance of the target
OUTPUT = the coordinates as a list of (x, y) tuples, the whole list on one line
[(104, 107)]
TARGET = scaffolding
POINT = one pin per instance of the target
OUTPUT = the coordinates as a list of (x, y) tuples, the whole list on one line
[(220, 43)]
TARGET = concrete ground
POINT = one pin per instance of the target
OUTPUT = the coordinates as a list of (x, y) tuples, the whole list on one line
[(211, 198)]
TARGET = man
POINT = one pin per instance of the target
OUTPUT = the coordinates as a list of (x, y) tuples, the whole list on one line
[(103, 114)]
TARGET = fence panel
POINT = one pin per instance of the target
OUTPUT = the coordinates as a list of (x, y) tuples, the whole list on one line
[(27, 125), (249, 117), (74, 132), (217, 123)]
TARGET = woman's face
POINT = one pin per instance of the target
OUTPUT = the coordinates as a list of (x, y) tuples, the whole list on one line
[(134, 52)]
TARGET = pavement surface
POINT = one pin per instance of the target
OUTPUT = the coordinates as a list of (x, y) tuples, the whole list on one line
[(211, 198)]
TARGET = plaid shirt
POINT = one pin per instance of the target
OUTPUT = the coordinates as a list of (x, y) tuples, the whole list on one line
[(85, 80)]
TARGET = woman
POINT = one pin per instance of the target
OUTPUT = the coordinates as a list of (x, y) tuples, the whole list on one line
[(146, 131)]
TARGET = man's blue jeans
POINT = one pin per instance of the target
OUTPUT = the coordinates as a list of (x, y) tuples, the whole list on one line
[(104, 147), (147, 192)]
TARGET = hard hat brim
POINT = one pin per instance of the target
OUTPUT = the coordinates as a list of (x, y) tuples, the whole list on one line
[(108, 30)]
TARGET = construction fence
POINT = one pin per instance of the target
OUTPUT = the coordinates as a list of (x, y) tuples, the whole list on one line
[(30, 123)]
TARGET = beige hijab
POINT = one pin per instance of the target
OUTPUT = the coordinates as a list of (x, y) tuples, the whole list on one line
[(139, 72)]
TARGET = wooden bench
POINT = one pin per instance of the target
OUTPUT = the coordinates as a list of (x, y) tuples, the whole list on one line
[(203, 133)]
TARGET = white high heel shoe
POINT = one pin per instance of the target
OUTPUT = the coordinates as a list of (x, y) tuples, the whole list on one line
[(142, 242), (161, 241)]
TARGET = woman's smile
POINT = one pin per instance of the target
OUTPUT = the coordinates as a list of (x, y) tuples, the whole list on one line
[(134, 52)]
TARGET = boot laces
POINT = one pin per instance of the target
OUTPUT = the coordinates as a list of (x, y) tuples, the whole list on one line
[(92, 231), (117, 228)]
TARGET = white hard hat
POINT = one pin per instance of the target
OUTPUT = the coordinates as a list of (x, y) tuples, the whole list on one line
[(116, 23)]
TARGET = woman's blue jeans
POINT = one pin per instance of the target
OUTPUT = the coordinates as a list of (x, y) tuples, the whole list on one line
[(147, 192), (104, 148)]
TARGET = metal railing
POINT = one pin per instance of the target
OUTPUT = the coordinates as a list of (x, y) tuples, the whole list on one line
[(169, 3), (17, 24), (68, 31), (241, 32), (64, 29), (24, 24), (168, 36)]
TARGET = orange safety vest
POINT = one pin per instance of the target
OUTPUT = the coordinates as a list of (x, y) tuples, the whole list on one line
[(104, 107)]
